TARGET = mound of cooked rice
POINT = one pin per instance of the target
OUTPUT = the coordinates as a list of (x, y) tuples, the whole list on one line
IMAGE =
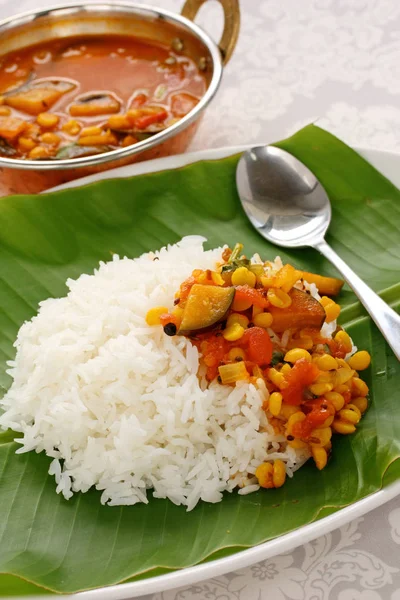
[(118, 405)]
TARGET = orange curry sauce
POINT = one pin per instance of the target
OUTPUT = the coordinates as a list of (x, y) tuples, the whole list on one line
[(110, 89)]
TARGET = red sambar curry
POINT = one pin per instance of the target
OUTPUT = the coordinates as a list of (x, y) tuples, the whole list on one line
[(81, 96)]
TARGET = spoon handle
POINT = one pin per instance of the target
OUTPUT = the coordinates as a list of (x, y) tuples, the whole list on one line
[(385, 317)]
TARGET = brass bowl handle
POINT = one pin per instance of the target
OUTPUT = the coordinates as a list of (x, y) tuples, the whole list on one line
[(231, 25)]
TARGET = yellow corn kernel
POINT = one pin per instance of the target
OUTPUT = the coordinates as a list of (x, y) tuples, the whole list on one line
[(341, 389), (242, 276), (153, 315), (106, 137), (119, 122), (256, 310), (344, 339), (326, 362), (134, 113), (343, 427), (236, 354), (276, 377), (241, 305), (94, 130), (332, 312), (360, 360), (325, 377), (72, 127), (50, 138), (343, 375), (286, 369), (349, 416), (275, 403), (128, 140), (5, 111), (359, 387), (336, 399), (297, 417), (47, 120), (264, 319), (305, 342), (217, 279), (296, 354), (342, 363), (320, 456), (297, 444), (237, 318), (361, 402), (279, 473), (278, 298), (319, 389), (326, 301), (287, 410), (39, 152), (26, 144), (354, 408), (328, 422), (233, 332), (264, 474), (266, 281), (322, 434)]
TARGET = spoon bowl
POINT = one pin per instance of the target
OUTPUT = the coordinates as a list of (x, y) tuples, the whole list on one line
[(282, 197), (289, 207)]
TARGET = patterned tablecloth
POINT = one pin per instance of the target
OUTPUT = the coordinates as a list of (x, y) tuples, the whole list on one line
[(336, 62)]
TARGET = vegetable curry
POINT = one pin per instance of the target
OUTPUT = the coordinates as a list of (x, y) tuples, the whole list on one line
[(81, 96), (274, 326)]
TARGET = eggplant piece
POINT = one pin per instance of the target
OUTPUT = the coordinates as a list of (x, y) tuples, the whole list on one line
[(60, 85), (6, 149), (139, 135), (93, 105), (39, 96), (304, 311), (76, 151), (205, 306), (33, 101)]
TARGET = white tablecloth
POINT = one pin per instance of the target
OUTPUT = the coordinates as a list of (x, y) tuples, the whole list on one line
[(336, 62)]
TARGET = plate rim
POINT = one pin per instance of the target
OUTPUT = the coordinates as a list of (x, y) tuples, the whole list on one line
[(388, 163)]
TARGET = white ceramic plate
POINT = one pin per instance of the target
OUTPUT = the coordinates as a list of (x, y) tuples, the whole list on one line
[(388, 164)]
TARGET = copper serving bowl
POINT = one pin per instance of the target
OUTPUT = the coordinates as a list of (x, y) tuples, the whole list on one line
[(28, 176)]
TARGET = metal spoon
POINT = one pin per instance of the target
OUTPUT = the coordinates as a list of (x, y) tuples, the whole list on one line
[(289, 207)]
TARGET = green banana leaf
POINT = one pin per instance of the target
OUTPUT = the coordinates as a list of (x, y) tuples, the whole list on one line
[(69, 546)]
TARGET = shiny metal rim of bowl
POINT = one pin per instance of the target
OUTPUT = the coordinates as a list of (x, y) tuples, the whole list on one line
[(144, 9)]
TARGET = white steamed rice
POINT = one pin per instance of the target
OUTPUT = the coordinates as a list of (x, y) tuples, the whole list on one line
[(118, 405)]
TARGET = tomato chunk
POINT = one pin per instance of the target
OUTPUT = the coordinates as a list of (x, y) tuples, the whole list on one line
[(182, 104), (214, 349), (245, 292), (302, 374), (318, 411), (150, 115), (258, 345), (139, 100)]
